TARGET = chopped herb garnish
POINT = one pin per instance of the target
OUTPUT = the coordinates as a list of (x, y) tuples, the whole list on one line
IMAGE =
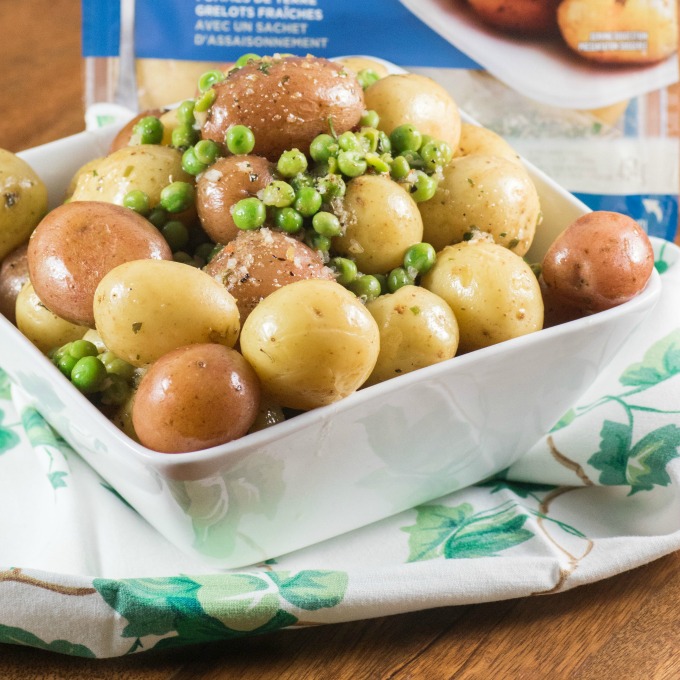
[(136, 327)]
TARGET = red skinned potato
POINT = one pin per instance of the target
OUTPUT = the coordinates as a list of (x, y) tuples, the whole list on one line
[(195, 397), (286, 102), (256, 263), (601, 260), (526, 17), (13, 276), (76, 244), (224, 184)]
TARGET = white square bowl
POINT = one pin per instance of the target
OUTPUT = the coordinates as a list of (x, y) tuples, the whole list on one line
[(382, 450)]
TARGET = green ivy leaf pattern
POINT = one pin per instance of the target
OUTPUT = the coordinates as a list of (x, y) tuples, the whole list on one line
[(57, 479), (458, 532), (19, 636), (660, 362), (520, 489), (311, 590), (641, 465), (565, 420), (5, 386), (8, 438)]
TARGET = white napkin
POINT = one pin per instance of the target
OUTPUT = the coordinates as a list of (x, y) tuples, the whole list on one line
[(81, 573)]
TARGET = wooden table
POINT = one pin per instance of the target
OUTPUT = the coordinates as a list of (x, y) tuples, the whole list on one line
[(625, 627)]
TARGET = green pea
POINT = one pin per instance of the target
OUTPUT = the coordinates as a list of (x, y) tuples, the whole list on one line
[(301, 180), (177, 197), (205, 101), (291, 163), (331, 186), (414, 159), (436, 154), (116, 366), (318, 241), (366, 287), (288, 220), (308, 201), (66, 363), (191, 164), (148, 130), (424, 187), (205, 251), (406, 138), (326, 224), (249, 213), (366, 77), (370, 118), (209, 78), (185, 112), (322, 147), (206, 151), (278, 194), (400, 168), (348, 141), (58, 352), (116, 391), (351, 164), (384, 144), (185, 258), (240, 140), (183, 136), (382, 280), (245, 58), (158, 217), (420, 258), (377, 163), (82, 348), (88, 374), (369, 139), (346, 270), (137, 200), (176, 234), (398, 278)]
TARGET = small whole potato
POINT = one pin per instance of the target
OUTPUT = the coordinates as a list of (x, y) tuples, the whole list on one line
[(224, 184), (311, 343), (601, 260), (76, 244), (44, 329), (380, 221), (493, 293), (482, 194), (476, 140), (146, 308), (23, 201), (146, 167), (417, 329), (256, 263), (416, 99), (286, 102), (524, 17), (13, 276), (195, 397)]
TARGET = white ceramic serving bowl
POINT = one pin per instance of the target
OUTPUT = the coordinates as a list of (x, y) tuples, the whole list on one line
[(382, 450)]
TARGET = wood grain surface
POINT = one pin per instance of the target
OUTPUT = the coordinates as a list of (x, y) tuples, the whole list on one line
[(624, 627)]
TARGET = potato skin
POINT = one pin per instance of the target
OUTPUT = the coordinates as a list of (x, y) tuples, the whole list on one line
[(311, 343), (76, 244), (524, 17), (23, 201), (124, 136), (286, 102), (476, 140), (13, 276), (146, 308), (228, 180), (601, 260), (195, 397), (256, 263)]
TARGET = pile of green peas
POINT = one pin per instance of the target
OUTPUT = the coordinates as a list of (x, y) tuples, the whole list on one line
[(300, 199), (94, 373)]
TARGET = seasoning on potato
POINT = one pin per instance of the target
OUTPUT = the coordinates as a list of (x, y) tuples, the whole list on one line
[(195, 397), (286, 102), (601, 260), (76, 244)]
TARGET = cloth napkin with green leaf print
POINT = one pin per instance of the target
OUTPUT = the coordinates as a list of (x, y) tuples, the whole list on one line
[(81, 573)]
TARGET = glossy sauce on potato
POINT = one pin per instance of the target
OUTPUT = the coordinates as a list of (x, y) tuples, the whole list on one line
[(76, 244), (256, 263), (286, 102), (195, 397)]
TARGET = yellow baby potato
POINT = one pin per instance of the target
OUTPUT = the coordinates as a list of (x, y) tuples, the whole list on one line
[(380, 221), (493, 293), (145, 308), (476, 140), (417, 329), (482, 194), (43, 328), (311, 343), (23, 201)]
